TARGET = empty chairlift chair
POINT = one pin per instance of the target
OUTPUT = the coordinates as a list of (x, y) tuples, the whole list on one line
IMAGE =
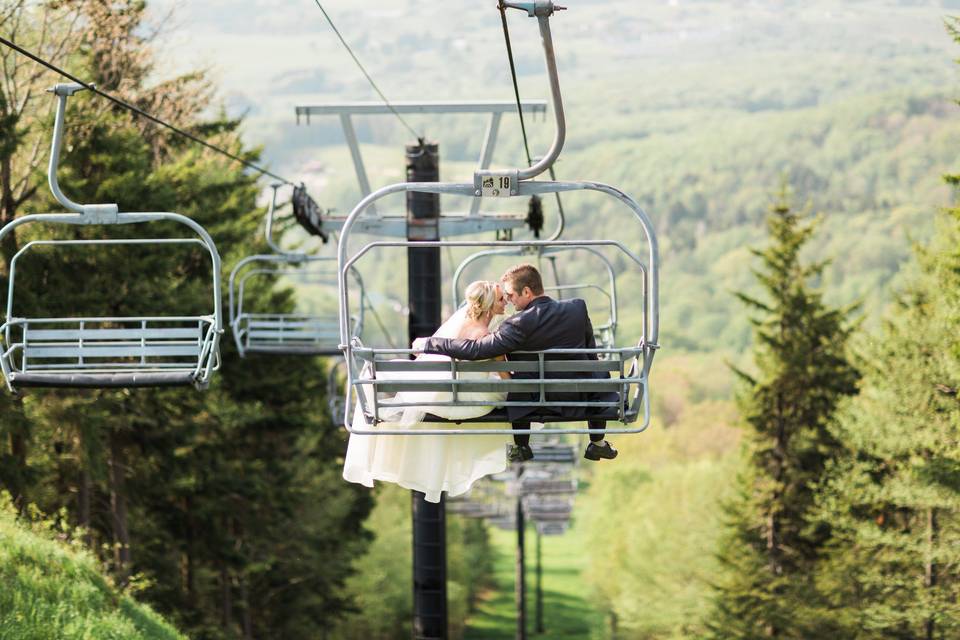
[(106, 351), (277, 333), (375, 375)]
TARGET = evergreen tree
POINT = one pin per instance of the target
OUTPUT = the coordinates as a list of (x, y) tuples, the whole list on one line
[(25, 112), (802, 371), (893, 498), (225, 508)]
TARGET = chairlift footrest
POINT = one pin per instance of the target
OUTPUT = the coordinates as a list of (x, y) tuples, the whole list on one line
[(104, 380), (500, 415), (288, 350)]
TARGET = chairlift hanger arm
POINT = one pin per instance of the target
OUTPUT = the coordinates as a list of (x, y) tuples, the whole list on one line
[(535, 8), (542, 10), (102, 213), (271, 211)]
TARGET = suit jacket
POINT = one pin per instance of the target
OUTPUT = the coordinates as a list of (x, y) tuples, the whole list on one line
[(544, 324)]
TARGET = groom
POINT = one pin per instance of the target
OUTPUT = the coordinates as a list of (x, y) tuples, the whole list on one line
[(540, 323)]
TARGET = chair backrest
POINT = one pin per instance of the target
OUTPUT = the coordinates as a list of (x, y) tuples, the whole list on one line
[(84, 348), (562, 379), (289, 333)]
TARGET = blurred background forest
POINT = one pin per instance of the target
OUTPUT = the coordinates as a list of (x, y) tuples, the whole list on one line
[(701, 110)]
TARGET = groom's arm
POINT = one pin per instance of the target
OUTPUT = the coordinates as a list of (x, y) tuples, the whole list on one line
[(590, 340), (504, 340)]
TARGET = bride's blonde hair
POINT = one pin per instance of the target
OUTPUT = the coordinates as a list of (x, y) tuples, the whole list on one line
[(481, 296)]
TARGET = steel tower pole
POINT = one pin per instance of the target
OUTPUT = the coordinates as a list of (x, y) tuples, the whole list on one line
[(424, 291), (520, 588)]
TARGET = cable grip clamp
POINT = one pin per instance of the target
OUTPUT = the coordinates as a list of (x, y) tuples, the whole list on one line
[(534, 8)]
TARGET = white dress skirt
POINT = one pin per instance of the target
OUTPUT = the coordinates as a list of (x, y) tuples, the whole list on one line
[(429, 464)]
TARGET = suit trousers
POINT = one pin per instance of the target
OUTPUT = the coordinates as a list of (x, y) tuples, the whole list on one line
[(523, 439)]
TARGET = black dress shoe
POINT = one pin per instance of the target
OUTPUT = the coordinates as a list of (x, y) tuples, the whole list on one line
[(519, 453), (598, 450)]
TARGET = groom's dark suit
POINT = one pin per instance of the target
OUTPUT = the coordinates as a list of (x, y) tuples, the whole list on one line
[(544, 324)]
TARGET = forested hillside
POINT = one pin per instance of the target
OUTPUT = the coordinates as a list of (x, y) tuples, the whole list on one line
[(223, 509), (226, 512), (698, 109)]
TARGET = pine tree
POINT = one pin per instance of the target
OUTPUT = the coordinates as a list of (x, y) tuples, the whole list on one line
[(23, 122), (893, 499), (225, 508), (802, 371)]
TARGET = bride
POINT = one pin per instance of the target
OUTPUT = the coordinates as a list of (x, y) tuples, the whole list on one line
[(433, 464)]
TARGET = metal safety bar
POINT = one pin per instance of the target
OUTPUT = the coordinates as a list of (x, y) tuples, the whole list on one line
[(621, 397)]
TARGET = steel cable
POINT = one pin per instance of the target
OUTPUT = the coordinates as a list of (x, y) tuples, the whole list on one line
[(139, 111), (523, 127), (366, 74)]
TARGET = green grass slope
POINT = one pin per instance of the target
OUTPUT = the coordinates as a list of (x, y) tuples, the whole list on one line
[(48, 590), (566, 611)]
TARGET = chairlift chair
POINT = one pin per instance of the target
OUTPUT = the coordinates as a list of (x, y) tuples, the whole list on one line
[(551, 528), (106, 351), (283, 333), (547, 510), (375, 375), (538, 487), (478, 510)]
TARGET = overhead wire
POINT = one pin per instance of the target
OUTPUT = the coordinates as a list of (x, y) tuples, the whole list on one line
[(513, 74), (141, 112), (516, 92), (366, 74)]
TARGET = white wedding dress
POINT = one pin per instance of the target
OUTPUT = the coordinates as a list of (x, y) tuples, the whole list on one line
[(429, 464)]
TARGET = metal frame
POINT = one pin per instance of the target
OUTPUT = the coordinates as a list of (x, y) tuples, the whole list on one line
[(129, 355), (605, 333), (286, 333), (551, 528), (514, 182), (453, 224)]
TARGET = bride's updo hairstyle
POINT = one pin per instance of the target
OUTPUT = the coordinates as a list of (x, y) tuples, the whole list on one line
[(481, 296)]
